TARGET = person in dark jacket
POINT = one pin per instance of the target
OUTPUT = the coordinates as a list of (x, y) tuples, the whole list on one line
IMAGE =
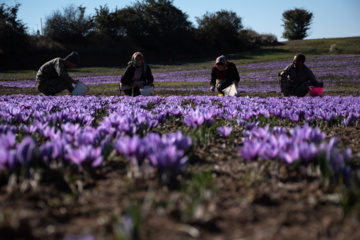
[(223, 74), (52, 77), (296, 78), (137, 75)]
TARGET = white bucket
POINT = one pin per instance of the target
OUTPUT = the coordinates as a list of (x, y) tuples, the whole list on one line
[(80, 89), (147, 90), (230, 91)]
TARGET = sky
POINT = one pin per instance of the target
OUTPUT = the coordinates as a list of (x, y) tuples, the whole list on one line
[(331, 18)]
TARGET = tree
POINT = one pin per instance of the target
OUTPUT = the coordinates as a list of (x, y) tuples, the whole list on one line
[(167, 24), (220, 29), (112, 24), (296, 23), (13, 36), (148, 24), (70, 26)]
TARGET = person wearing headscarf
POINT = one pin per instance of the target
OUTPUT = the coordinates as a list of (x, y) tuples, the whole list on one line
[(137, 75), (52, 77), (296, 78), (223, 74)]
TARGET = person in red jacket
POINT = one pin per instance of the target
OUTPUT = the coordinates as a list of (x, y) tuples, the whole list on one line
[(137, 75), (223, 74)]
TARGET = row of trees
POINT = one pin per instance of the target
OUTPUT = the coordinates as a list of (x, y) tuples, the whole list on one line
[(147, 25), (150, 24)]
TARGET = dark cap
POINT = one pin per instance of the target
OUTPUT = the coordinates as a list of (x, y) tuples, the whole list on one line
[(73, 57)]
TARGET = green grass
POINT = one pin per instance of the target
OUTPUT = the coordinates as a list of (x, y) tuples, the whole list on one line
[(350, 45), (103, 87)]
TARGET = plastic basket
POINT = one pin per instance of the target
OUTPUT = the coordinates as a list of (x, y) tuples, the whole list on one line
[(230, 91), (146, 90), (315, 91), (80, 89)]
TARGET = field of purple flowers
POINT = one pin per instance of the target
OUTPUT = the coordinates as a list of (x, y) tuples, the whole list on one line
[(185, 164), (340, 73)]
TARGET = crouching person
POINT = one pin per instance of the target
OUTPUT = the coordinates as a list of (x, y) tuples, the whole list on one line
[(296, 78), (223, 74), (52, 77), (137, 75)]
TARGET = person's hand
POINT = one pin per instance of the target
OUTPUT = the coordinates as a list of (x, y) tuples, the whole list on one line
[(212, 88), (282, 74)]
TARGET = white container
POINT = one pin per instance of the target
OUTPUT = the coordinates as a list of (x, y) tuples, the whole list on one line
[(230, 91), (147, 90), (80, 89)]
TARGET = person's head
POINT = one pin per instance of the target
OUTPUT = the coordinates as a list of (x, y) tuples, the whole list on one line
[(221, 62), (72, 60), (137, 59), (299, 60)]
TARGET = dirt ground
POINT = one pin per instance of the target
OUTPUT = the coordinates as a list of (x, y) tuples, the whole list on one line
[(218, 197)]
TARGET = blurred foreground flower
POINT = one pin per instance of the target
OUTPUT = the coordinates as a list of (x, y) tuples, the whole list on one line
[(86, 237), (224, 131)]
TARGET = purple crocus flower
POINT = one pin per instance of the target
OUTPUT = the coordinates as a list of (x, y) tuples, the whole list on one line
[(167, 152), (85, 154), (168, 158), (307, 152), (278, 131), (251, 125), (28, 129), (271, 149), (4, 153), (224, 131), (151, 123), (53, 150), (128, 224), (241, 122), (84, 138), (252, 149), (51, 133), (262, 133), (316, 135), (194, 119), (86, 237), (190, 121), (290, 155), (132, 147), (40, 125), (70, 128), (181, 142), (7, 140), (7, 158), (7, 128), (25, 151)]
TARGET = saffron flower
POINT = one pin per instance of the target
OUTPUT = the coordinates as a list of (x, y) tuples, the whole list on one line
[(224, 131)]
